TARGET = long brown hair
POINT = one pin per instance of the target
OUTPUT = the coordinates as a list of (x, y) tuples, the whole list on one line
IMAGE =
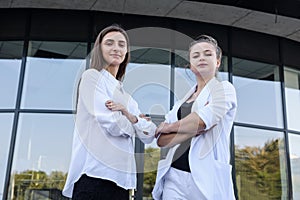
[(97, 60)]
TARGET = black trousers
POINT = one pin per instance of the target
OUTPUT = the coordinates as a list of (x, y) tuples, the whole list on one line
[(89, 188)]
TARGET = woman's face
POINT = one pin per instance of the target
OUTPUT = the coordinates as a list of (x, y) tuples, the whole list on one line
[(114, 48), (203, 60)]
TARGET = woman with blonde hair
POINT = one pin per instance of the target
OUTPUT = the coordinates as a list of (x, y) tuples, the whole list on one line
[(197, 129)]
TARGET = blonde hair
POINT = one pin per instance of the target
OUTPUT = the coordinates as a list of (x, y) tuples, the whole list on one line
[(210, 40)]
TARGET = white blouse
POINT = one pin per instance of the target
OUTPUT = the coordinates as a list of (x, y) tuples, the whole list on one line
[(103, 143), (209, 154)]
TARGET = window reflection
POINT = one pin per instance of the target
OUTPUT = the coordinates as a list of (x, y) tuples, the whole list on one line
[(149, 55), (152, 154), (184, 79), (6, 121), (42, 154), (10, 62), (70, 50), (294, 141), (260, 164), (147, 79), (258, 93), (50, 79), (292, 95)]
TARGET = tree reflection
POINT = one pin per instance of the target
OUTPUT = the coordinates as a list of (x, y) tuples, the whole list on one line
[(152, 156), (38, 185), (258, 174)]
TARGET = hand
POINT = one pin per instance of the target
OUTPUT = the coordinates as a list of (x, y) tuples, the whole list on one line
[(162, 128), (148, 118), (202, 131), (113, 106)]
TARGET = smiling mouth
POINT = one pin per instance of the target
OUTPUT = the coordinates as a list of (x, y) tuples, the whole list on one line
[(202, 65), (115, 55)]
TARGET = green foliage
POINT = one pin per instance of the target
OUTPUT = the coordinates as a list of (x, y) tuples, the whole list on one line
[(152, 156), (258, 174), (27, 181), (30, 180), (57, 180)]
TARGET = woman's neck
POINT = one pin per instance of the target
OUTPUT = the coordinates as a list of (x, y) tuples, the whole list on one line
[(113, 70), (201, 83)]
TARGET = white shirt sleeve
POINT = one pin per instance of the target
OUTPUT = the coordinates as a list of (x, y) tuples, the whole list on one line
[(222, 100), (93, 93), (144, 129)]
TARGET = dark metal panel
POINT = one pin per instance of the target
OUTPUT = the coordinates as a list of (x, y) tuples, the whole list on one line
[(194, 28), (290, 53), (134, 24), (191, 29), (13, 24), (255, 46), (59, 25)]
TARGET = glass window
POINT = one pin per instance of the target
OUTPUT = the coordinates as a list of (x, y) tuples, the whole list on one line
[(147, 79), (260, 162), (152, 154), (6, 122), (185, 79), (53, 70), (292, 95), (258, 93), (151, 157), (42, 155), (10, 62), (294, 141)]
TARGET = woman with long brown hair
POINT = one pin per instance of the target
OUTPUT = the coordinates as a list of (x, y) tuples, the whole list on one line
[(107, 120)]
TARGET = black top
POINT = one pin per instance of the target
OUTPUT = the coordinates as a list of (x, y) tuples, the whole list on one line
[(181, 157)]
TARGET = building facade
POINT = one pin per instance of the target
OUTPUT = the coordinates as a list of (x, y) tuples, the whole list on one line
[(44, 51)]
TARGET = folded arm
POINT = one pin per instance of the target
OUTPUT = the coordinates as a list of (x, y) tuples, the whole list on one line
[(223, 99), (144, 127), (113, 106), (170, 134), (93, 95)]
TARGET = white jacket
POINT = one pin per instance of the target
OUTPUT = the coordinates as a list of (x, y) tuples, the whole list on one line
[(209, 153), (103, 144)]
